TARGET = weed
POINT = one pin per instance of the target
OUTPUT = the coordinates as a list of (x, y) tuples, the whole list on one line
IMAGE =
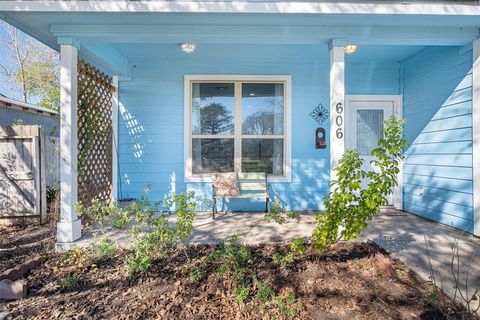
[(196, 274), (279, 214), (71, 282), (241, 294)]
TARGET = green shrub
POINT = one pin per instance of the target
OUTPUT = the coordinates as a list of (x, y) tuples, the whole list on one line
[(241, 294), (298, 246), (196, 274), (282, 260), (231, 258), (349, 207), (265, 292), (285, 305), (71, 282), (120, 219), (105, 247)]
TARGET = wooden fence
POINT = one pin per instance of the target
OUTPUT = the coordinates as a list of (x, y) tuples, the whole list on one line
[(22, 175)]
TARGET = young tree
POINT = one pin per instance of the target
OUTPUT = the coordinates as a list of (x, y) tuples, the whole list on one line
[(32, 66)]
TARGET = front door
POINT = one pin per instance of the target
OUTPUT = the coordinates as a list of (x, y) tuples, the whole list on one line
[(364, 126)]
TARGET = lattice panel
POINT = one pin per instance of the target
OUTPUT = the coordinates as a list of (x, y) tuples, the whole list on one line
[(94, 134)]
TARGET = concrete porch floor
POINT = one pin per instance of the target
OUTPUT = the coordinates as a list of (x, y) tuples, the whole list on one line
[(401, 234)]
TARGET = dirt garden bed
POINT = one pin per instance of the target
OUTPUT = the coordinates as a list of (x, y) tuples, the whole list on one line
[(353, 281)]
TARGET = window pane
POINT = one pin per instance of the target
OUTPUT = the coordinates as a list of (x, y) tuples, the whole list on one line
[(262, 155), (212, 155), (212, 108), (262, 108), (369, 130)]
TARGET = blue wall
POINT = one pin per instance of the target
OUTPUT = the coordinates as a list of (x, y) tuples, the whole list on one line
[(372, 78), (152, 114), (437, 95)]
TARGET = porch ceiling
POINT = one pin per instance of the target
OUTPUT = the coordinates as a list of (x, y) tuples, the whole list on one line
[(102, 34)]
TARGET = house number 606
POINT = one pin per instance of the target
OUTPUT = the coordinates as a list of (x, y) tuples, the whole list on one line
[(339, 120)]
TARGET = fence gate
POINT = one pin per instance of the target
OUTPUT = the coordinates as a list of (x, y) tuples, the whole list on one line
[(22, 175)]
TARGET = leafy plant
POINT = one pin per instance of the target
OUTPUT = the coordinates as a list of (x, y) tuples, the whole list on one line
[(298, 246), (282, 260), (231, 258), (196, 274), (279, 214), (105, 247), (241, 293), (265, 291), (71, 282), (285, 305), (349, 207)]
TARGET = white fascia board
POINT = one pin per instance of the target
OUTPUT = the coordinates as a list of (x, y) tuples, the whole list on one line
[(240, 7)]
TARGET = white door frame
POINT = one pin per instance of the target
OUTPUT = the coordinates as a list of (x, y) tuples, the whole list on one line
[(397, 112)]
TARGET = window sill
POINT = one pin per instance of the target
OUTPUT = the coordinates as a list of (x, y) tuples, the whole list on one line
[(207, 179)]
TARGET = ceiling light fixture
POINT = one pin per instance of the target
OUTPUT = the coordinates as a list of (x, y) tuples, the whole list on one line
[(350, 49), (188, 47)]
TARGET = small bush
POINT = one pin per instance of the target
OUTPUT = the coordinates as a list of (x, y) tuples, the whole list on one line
[(105, 248), (265, 292), (298, 246), (196, 274), (282, 260), (71, 282), (120, 219), (349, 206), (231, 258), (241, 294)]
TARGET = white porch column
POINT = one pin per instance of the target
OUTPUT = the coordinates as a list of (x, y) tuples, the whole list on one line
[(476, 136), (115, 139), (69, 227), (337, 108)]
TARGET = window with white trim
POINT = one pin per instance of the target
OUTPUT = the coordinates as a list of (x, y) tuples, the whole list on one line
[(237, 124)]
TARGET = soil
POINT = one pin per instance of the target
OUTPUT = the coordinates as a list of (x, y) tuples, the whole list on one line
[(352, 281)]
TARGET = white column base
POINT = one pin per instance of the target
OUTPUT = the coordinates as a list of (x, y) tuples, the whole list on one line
[(69, 231)]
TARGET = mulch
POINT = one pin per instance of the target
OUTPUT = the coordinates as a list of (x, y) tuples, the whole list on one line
[(352, 281)]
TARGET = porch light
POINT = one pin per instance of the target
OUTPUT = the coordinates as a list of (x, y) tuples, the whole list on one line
[(188, 47), (350, 49)]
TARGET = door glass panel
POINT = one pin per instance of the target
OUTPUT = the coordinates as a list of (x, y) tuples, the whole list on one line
[(212, 155), (262, 108), (262, 155), (212, 108), (369, 130)]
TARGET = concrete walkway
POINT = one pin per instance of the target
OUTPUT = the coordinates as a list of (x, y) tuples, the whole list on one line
[(401, 234)]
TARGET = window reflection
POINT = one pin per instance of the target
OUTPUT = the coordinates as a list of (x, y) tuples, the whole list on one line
[(212, 155), (262, 155), (262, 108), (212, 108)]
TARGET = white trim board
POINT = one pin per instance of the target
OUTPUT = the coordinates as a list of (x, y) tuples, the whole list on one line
[(398, 112), (292, 7), (476, 136), (237, 79)]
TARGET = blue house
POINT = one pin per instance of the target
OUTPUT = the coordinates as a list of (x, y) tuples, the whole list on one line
[(231, 86)]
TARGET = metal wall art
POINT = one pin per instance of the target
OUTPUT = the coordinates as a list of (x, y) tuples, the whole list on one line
[(320, 115)]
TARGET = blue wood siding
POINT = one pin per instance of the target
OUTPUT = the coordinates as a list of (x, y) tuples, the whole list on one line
[(372, 78), (12, 116), (437, 94), (151, 125)]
